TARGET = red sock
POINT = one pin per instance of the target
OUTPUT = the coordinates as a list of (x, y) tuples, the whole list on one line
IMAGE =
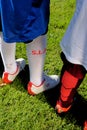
[(71, 77), (69, 84)]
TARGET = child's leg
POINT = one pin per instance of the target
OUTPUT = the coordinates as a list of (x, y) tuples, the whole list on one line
[(12, 67), (8, 56), (36, 51), (71, 78)]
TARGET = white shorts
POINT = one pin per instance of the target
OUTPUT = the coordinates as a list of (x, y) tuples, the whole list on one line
[(74, 42)]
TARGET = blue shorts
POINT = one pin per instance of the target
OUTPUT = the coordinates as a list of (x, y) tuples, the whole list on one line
[(24, 20), (0, 17)]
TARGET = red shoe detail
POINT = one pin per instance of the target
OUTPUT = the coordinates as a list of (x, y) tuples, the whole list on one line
[(85, 125), (30, 85), (6, 76), (61, 109), (29, 89)]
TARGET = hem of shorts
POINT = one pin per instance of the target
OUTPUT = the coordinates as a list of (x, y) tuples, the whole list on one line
[(17, 39), (74, 61)]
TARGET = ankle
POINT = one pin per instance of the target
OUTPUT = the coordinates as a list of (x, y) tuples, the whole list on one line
[(64, 104), (36, 84)]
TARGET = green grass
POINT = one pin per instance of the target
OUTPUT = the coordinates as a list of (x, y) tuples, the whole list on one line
[(20, 111)]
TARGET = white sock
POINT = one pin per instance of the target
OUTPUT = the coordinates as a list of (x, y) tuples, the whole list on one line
[(8, 56), (36, 51)]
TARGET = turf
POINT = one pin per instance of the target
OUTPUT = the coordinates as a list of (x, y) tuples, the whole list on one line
[(20, 111)]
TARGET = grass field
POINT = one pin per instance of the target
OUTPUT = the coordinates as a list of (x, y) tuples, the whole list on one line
[(20, 111)]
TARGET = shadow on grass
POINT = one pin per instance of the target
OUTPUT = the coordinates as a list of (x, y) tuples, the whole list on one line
[(52, 95), (24, 76), (78, 110)]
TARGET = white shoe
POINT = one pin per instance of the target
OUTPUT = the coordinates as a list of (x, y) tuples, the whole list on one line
[(8, 78), (49, 82)]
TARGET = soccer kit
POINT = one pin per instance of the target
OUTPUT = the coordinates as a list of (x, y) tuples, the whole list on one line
[(26, 20), (74, 57)]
